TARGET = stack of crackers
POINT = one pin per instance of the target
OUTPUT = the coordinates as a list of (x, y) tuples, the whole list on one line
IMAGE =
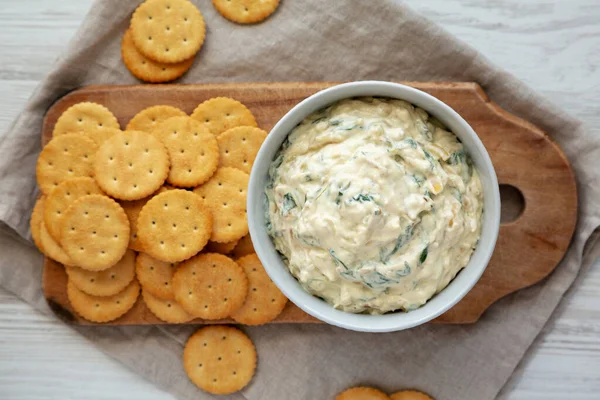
[(165, 35), (159, 208)]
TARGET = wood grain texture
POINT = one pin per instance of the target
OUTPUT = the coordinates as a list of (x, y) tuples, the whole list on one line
[(551, 45), (528, 248)]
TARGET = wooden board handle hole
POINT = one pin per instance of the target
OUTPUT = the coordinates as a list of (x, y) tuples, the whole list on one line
[(512, 203)]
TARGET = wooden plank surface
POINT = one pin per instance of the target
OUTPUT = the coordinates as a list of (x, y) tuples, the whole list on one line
[(528, 248), (552, 45)]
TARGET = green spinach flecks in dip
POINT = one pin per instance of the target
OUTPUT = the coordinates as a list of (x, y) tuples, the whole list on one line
[(374, 205)]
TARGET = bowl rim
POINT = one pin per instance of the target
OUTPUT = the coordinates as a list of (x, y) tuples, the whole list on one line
[(278, 271)]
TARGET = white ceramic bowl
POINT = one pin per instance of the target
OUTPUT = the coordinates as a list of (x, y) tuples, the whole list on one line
[(318, 308)]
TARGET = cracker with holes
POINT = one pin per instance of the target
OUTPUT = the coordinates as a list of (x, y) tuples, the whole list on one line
[(165, 310), (219, 359), (85, 117), (168, 31), (51, 248), (145, 68), (222, 113), (61, 197), (103, 308), (210, 286), (264, 301), (95, 232), (243, 248), (105, 283), (37, 216), (225, 195), (131, 166), (99, 136), (410, 395), (238, 147), (221, 248), (132, 209), (149, 118), (246, 11), (66, 156), (193, 151), (362, 393), (155, 276), (174, 225)]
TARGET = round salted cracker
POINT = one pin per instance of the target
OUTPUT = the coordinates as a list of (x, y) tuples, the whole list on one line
[(410, 395), (193, 151), (243, 248), (95, 232), (61, 197), (131, 166), (65, 156), (210, 286), (37, 216), (221, 248), (222, 113), (238, 147), (107, 282), (51, 248), (264, 301), (145, 68), (168, 31), (362, 393), (225, 195), (155, 276), (103, 308), (85, 117), (174, 225), (149, 118), (246, 11), (219, 359), (166, 310)]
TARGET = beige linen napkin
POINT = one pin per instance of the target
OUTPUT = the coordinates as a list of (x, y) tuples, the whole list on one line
[(311, 40)]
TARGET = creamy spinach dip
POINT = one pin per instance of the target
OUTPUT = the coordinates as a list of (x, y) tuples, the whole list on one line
[(374, 205)]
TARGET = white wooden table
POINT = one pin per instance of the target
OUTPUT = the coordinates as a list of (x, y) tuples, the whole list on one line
[(552, 45)]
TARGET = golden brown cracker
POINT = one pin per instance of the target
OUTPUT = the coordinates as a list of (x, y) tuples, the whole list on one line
[(149, 118), (225, 195), (243, 248), (193, 151), (166, 310), (174, 225), (410, 395), (223, 113), (100, 136), (103, 308), (131, 166), (85, 117), (168, 31), (264, 301), (65, 156), (61, 197), (37, 216), (219, 359), (210, 286), (155, 276), (145, 68), (51, 248), (362, 393), (246, 11), (95, 232), (107, 282), (238, 147), (221, 248)]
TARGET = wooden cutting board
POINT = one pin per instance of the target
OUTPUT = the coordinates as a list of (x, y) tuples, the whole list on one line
[(529, 165)]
